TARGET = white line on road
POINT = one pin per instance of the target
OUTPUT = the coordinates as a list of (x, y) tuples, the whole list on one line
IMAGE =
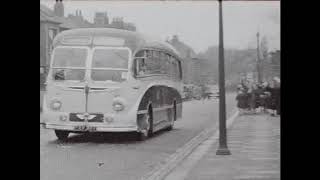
[(193, 151)]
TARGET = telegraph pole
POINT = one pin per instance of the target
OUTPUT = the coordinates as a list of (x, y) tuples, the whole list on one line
[(258, 59), (223, 148)]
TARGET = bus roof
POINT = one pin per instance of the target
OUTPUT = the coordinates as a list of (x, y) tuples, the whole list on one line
[(120, 38)]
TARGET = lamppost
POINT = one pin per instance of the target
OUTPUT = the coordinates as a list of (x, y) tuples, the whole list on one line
[(223, 148), (258, 59)]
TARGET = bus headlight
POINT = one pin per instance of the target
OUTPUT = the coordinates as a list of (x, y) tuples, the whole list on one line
[(63, 117), (55, 105), (118, 104), (108, 119)]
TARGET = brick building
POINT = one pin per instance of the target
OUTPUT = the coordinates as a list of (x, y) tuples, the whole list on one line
[(101, 19), (195, 70), (49, 28), (187, 53)]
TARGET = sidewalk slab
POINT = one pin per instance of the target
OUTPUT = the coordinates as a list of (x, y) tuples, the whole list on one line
[(254, 142)]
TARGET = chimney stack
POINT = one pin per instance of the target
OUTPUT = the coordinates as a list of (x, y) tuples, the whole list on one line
[(58, 8)]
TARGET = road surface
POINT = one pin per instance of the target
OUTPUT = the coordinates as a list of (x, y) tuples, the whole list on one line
[(119, 156)]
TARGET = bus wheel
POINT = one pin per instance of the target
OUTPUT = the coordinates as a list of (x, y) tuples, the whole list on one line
[(62, 135), (148, 131)]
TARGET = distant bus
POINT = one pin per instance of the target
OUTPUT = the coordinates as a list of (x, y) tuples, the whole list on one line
[(111, 80)]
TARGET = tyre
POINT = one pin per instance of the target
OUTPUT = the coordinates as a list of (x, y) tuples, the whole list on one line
[(148, 132), (62, 135)]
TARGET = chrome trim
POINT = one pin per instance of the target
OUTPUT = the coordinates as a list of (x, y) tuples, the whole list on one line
[(99, 128), (155, 109), (162, 108), (142, 112)]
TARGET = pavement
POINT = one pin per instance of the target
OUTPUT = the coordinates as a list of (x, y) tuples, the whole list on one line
[(254, 143)]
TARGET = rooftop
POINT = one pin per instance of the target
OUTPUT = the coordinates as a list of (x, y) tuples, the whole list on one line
[(133, 40), (46, 14)]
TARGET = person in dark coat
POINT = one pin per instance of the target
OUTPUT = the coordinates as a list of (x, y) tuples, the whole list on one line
[(252, 93), (258, 96), (273, 98), (277, 94), (242, 101), (263, 96), (245, 86), (59, 75)]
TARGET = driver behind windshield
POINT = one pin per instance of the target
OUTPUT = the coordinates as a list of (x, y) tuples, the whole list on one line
[(59, 75)]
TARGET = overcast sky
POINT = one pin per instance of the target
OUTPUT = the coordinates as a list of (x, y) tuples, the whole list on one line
[(196, 23)]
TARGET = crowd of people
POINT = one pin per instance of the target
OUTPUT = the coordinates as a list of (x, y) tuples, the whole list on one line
[(259, 97)]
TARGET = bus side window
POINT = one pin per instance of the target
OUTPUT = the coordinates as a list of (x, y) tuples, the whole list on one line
[(156, 62), (148, 53), (140, 67), (140, 54), (156, 55), (163, 63), (170, 68), (180, 70), (152, 63), (167, 64), (175, 70)]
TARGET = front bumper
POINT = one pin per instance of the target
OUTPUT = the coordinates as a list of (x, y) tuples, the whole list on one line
[(119, 123), (97, 128)]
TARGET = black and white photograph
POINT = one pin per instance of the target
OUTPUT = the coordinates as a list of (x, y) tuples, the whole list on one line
[(160, 90)]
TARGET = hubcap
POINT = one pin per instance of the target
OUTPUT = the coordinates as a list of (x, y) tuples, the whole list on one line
[(144, 132)]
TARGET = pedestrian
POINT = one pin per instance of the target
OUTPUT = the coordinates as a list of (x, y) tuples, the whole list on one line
[(205, 92), (277, 94), (259, 97), (252, 98), (264, 97), (272, 98), (241, 101), (245, 85)]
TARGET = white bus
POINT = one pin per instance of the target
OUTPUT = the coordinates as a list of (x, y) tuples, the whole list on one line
[(111, 80)]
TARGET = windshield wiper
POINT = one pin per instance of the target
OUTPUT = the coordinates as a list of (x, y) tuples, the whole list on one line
[(120, 56)]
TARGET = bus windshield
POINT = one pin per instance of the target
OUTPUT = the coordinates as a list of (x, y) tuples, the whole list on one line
[(69, 64), (110, 65)]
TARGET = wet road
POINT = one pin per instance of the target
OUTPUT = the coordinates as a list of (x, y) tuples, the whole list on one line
[(119, 156)]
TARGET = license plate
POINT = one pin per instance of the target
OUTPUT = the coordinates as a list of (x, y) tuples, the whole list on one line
[(90, 128), (85, 128)]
